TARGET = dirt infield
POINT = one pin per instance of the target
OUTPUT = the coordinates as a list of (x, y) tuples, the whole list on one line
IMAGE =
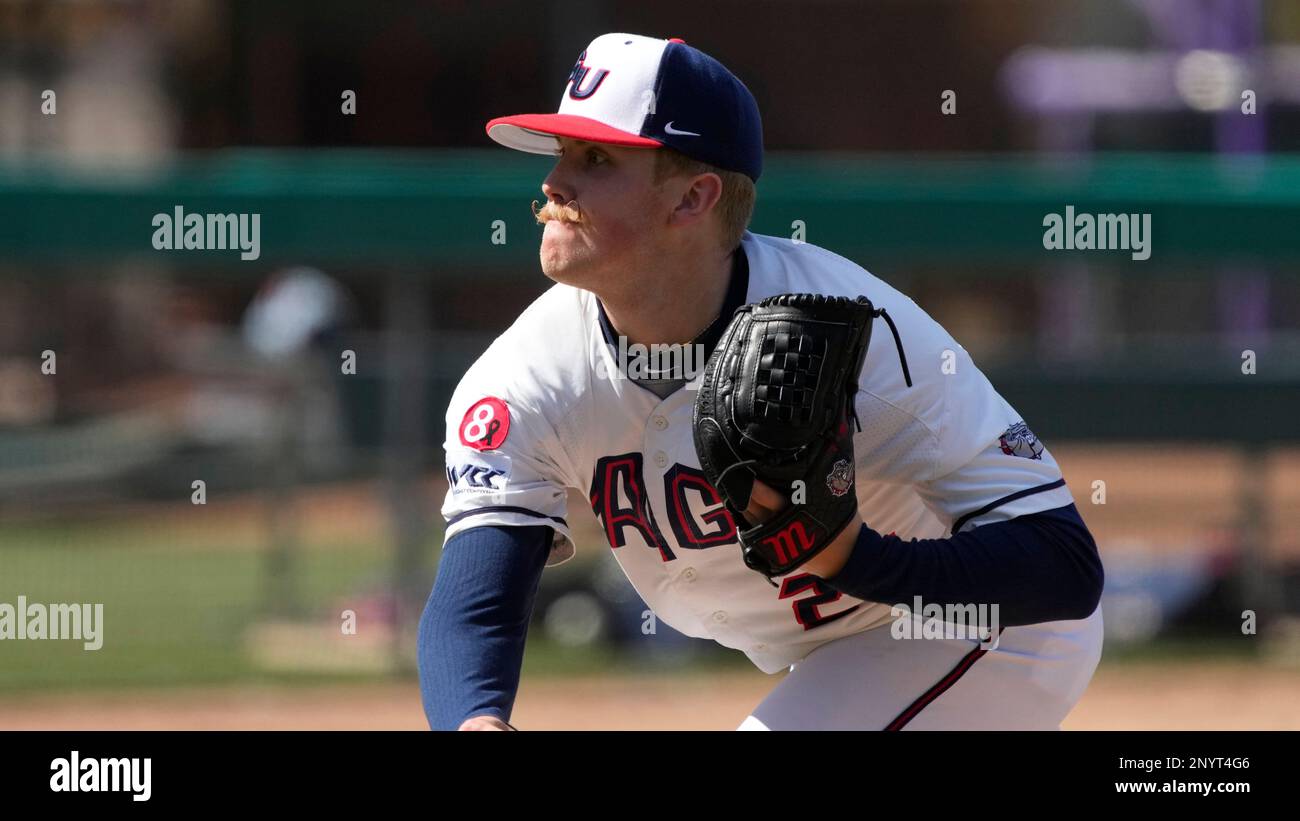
[(1159, 697), (1158, 501)]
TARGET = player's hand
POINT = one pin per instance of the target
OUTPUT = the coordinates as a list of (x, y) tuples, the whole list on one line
[(488, 723), (764, 503)]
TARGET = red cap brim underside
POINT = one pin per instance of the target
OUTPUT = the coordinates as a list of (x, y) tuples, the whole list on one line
[(522, 131)]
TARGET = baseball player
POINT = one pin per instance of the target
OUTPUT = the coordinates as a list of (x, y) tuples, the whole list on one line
[(953, 505)]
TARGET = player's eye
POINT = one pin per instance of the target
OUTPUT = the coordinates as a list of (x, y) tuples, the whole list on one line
[(593, 157)]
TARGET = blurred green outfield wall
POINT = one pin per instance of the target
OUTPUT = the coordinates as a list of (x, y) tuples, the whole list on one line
[(438, 208), (419, 211)]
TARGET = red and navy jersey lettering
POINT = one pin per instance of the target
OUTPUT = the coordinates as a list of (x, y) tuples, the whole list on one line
[(806, 610), (715, 528), (625, 470), (679, 483)]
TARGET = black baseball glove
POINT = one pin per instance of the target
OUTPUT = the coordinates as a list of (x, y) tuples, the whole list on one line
[(774, 404)]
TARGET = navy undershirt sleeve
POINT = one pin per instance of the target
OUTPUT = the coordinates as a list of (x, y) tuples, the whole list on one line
[(1036, 568), (471, 639)]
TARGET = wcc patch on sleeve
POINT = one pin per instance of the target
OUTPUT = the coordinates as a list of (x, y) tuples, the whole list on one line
[(1019, 440), (488, 473), (486, 424), (479, 474)]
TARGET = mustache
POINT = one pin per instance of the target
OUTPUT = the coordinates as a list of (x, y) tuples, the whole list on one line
[(564, 212)]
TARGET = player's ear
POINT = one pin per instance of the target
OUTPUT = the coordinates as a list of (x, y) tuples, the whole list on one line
[(698, 198)]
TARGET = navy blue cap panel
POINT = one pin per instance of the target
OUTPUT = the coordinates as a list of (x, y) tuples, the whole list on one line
[(705, 112)]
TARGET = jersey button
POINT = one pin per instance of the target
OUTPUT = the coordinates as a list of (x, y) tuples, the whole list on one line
[(719, 616), (689, 574), (660, 422), (760, 647), (661, 458)]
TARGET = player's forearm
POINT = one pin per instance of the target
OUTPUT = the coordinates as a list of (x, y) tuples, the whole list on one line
[(1036, 568), (460, 679), (472, 632)]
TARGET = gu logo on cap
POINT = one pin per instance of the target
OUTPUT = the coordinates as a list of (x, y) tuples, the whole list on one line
[(577, 78), (637, 91)]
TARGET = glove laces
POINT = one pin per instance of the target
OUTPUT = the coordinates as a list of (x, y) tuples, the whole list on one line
[(898, 343)]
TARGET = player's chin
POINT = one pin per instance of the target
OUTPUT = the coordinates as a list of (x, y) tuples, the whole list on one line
[(561, 265), (564, 261), (567, 274)]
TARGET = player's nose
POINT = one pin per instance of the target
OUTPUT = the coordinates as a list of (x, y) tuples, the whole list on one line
[(556, 188)]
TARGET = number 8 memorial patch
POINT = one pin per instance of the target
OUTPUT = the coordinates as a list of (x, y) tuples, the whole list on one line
[(486, 424)]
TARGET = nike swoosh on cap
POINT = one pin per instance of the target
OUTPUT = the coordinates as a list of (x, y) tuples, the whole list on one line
[(668, 129)]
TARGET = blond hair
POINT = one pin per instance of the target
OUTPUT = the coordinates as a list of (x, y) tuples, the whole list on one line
[(735, 206)]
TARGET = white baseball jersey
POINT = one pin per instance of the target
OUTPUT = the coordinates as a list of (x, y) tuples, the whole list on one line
[(543, 410)]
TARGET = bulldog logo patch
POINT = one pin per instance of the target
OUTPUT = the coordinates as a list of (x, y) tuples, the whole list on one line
[(840, 479), (1019, 440)]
